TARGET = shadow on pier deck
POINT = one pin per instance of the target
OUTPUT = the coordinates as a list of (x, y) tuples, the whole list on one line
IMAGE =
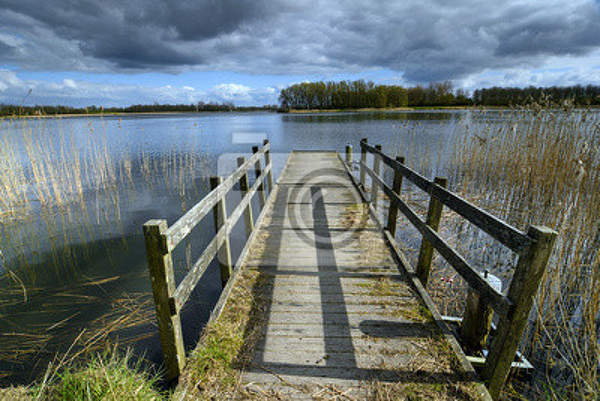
[(331, 307)]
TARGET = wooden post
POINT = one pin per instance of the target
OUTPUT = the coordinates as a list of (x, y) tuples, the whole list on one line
[(160, 265), (434, 214), (522, 291), (476, 321), (363, 160), (267, 162), (261, 192), (244, 190), (393, 209), (349, 156), (376, 170), (220, 217)]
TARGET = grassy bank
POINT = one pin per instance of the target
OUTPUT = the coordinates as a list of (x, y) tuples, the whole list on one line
[(111, 375)]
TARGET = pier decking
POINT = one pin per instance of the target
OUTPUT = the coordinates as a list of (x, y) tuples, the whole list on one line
[(341, 314), (321, 303)]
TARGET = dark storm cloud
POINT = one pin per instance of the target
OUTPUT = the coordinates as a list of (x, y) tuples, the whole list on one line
[(425, 40), (558, 33), (141, 34)]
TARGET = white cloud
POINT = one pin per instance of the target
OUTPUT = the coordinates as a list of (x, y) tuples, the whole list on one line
[(424, 40), (232, 92), (69, 83), (83, 93)]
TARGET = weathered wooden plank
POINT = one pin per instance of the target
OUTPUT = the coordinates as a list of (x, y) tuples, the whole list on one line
[(160, 265), (186, 223), (189, 282), (434, 215), (351, 359), (338, 317), (371, 328), (503, 232), (275, 271), (522, 291), (313, 379), (359, 345), (249, 219), (337, 297)]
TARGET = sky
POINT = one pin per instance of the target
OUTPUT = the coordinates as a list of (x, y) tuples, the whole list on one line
[(117, 53)]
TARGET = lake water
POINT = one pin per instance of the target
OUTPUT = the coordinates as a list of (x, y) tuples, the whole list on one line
[(74, 193)]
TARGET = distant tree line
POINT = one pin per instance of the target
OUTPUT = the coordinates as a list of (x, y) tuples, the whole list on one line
[(351, 95), (496, 96), (16, 110), (361, 94), (342, 95)]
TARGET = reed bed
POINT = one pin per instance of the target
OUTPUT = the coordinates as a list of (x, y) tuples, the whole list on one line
[(538, 165), (65, 197)]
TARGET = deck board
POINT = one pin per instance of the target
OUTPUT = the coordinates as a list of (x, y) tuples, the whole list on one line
[(340, 313)]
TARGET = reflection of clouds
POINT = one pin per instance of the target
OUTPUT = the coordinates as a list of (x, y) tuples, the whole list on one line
[(86, 186)]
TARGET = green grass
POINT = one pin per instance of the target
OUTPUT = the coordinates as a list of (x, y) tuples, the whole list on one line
[(106, 378), (111, 375), (226, 345)]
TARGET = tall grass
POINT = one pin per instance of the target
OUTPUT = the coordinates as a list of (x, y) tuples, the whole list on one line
[(64, 196), (66, 191), (541, 165)]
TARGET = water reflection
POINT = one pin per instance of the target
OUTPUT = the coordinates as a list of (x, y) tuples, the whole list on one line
[(345, 117), (74, 194)]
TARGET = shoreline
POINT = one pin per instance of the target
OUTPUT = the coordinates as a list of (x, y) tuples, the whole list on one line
[(384, 109), (120, 114), (291, 111)]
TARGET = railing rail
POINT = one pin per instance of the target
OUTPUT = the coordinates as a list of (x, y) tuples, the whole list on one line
[(503, 232), (161, 240), (533, 247), (498, 301), (182, 227)]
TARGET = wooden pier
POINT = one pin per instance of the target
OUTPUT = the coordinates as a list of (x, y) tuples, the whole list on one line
[(344, 312)]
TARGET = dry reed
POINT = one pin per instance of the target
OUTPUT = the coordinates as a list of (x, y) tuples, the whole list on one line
[(541, 165)]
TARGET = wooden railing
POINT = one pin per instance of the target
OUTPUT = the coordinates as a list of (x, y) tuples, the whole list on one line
[(161, 240), (533, 247)]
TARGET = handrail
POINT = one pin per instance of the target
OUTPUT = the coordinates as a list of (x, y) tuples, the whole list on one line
[(161, 240), (187, 285), (497, 300), (534, 249), (185, 224), (503, 232)]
